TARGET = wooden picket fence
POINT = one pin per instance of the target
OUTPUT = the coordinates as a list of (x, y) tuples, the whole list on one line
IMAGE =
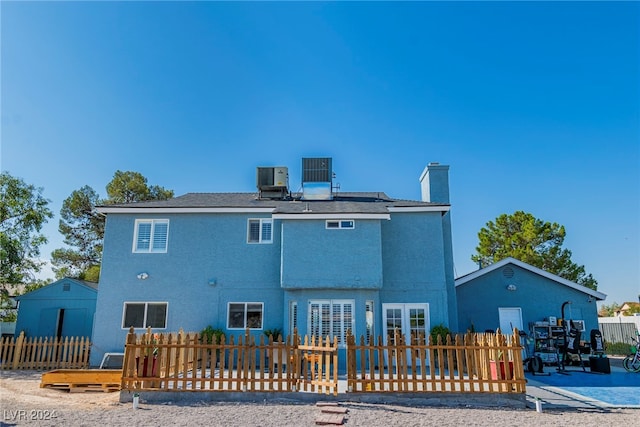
[(186, 362), (471, 363), (44, 352)]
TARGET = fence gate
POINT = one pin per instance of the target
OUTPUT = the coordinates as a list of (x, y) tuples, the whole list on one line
[(317, 363)]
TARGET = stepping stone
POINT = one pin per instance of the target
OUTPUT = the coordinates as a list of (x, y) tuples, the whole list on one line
[(330, 419), (333, 410)]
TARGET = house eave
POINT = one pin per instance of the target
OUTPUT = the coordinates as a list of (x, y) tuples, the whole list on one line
[(345, 215), (471, 276), (167, 210), (419, 209)]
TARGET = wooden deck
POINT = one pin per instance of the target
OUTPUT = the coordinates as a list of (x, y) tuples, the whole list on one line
[(80, 380)]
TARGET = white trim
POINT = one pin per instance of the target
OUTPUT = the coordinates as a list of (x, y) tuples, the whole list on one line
[(169, 210), (29, 295), (345, 215), (419, 209), (471, 276)]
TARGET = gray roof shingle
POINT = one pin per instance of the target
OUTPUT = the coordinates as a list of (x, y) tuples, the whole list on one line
[(356, 202)]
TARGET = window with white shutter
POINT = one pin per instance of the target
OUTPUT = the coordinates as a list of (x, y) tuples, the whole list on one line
[(293, 316), (151, 236), (260, 230), (369, 333), (332, 318)]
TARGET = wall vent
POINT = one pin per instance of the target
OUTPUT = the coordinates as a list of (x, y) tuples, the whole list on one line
[(508, 272)]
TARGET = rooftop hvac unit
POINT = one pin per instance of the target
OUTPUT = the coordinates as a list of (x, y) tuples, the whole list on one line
[(317, 178), (272, 182), (272, 178), (316, 169)]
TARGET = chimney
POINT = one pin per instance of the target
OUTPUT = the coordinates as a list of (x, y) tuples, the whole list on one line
[(435, 183)]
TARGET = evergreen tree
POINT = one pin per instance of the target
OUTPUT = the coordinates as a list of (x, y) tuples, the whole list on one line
[(530, 240), (83, 227)]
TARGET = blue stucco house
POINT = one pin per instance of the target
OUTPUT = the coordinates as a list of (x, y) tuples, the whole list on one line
[(511, 293), (64, 308), (321, 261)]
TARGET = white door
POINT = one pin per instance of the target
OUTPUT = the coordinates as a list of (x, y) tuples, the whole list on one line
[(510, 317), (331, 318), (407, 319)]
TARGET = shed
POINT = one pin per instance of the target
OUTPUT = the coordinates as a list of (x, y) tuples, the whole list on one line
[(64, 308), (511, 293)]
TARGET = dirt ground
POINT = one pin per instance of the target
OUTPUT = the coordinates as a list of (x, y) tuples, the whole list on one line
[(23, 402)]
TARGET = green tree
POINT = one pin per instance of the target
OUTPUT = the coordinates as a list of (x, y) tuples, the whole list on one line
[(129, 187), (530, 240), (83, 230), (632, 310), (83, 227), (23, 212), (609, 310)]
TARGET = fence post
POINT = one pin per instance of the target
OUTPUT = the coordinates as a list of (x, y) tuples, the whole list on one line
[(128, 367), (17, 351)]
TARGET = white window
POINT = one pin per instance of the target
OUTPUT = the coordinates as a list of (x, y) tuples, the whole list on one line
[(331, 318), (259, 230), (144, 315), (243, 315), (340, 224), (293, 316), (151, 236)]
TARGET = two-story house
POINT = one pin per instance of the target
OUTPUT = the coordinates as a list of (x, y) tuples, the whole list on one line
[(319, 260)]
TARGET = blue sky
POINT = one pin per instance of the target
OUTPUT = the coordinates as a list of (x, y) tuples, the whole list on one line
[(534, 105)]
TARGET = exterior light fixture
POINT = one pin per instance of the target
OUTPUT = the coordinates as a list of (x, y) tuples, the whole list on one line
[(213, 281), (511, 287), (143, 276)]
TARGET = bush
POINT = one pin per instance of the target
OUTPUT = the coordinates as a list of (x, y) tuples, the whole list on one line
[(440, 331), (209, 332), (617, 348), (275, 332)]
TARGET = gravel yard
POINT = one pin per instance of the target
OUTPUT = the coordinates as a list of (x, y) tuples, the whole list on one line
[(23, 402)]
